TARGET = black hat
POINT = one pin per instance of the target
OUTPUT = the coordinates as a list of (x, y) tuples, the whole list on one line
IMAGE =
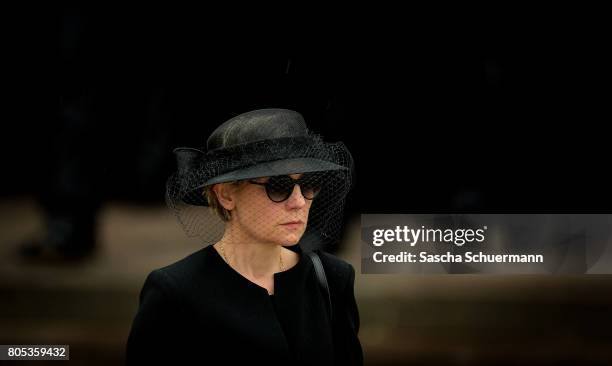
[(260, 143)]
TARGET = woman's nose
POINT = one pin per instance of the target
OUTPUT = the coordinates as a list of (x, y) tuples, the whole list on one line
[(296, 200)]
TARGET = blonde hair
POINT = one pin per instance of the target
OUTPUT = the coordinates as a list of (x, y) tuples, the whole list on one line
[(213, 201)]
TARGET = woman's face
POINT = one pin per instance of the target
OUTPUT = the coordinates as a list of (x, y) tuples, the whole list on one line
[(258, 216)]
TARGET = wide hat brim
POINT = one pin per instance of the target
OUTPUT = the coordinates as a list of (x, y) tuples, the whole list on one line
[(264, 169)]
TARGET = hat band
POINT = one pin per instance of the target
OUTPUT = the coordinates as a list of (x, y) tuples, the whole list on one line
[(269, 150)]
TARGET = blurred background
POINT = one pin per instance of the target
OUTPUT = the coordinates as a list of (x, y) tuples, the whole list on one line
[(442, 115)]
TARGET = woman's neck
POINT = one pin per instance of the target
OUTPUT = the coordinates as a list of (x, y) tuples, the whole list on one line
[(250, 257)]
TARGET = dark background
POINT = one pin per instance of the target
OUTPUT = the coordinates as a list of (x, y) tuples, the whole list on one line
[(498, 112)]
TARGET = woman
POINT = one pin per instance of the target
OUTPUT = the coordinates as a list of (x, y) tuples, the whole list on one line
[(266, 195)]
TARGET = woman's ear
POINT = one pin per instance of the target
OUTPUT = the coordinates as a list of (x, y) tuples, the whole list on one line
[(225, 195)]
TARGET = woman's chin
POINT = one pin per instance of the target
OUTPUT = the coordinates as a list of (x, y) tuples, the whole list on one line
[(290, 240)]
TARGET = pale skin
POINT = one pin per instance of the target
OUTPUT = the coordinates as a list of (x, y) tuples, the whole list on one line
[(259, 228)]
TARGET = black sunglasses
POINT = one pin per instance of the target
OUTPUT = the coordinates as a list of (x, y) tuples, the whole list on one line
[(279, 188)]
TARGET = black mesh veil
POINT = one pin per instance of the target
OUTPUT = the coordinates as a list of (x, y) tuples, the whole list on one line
[(269, 201)]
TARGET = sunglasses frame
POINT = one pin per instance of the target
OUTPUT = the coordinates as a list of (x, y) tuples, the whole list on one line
[(298, 182)]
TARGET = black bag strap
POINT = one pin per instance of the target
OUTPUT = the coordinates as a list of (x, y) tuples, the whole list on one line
[(318, 266)]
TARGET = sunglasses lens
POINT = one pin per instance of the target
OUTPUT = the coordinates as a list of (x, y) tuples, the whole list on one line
[(279, 188), (311, 186)]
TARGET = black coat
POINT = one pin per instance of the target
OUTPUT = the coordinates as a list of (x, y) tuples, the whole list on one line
[(201, 311)]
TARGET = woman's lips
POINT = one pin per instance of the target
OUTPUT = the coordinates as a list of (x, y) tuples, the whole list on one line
[(293, 224)]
